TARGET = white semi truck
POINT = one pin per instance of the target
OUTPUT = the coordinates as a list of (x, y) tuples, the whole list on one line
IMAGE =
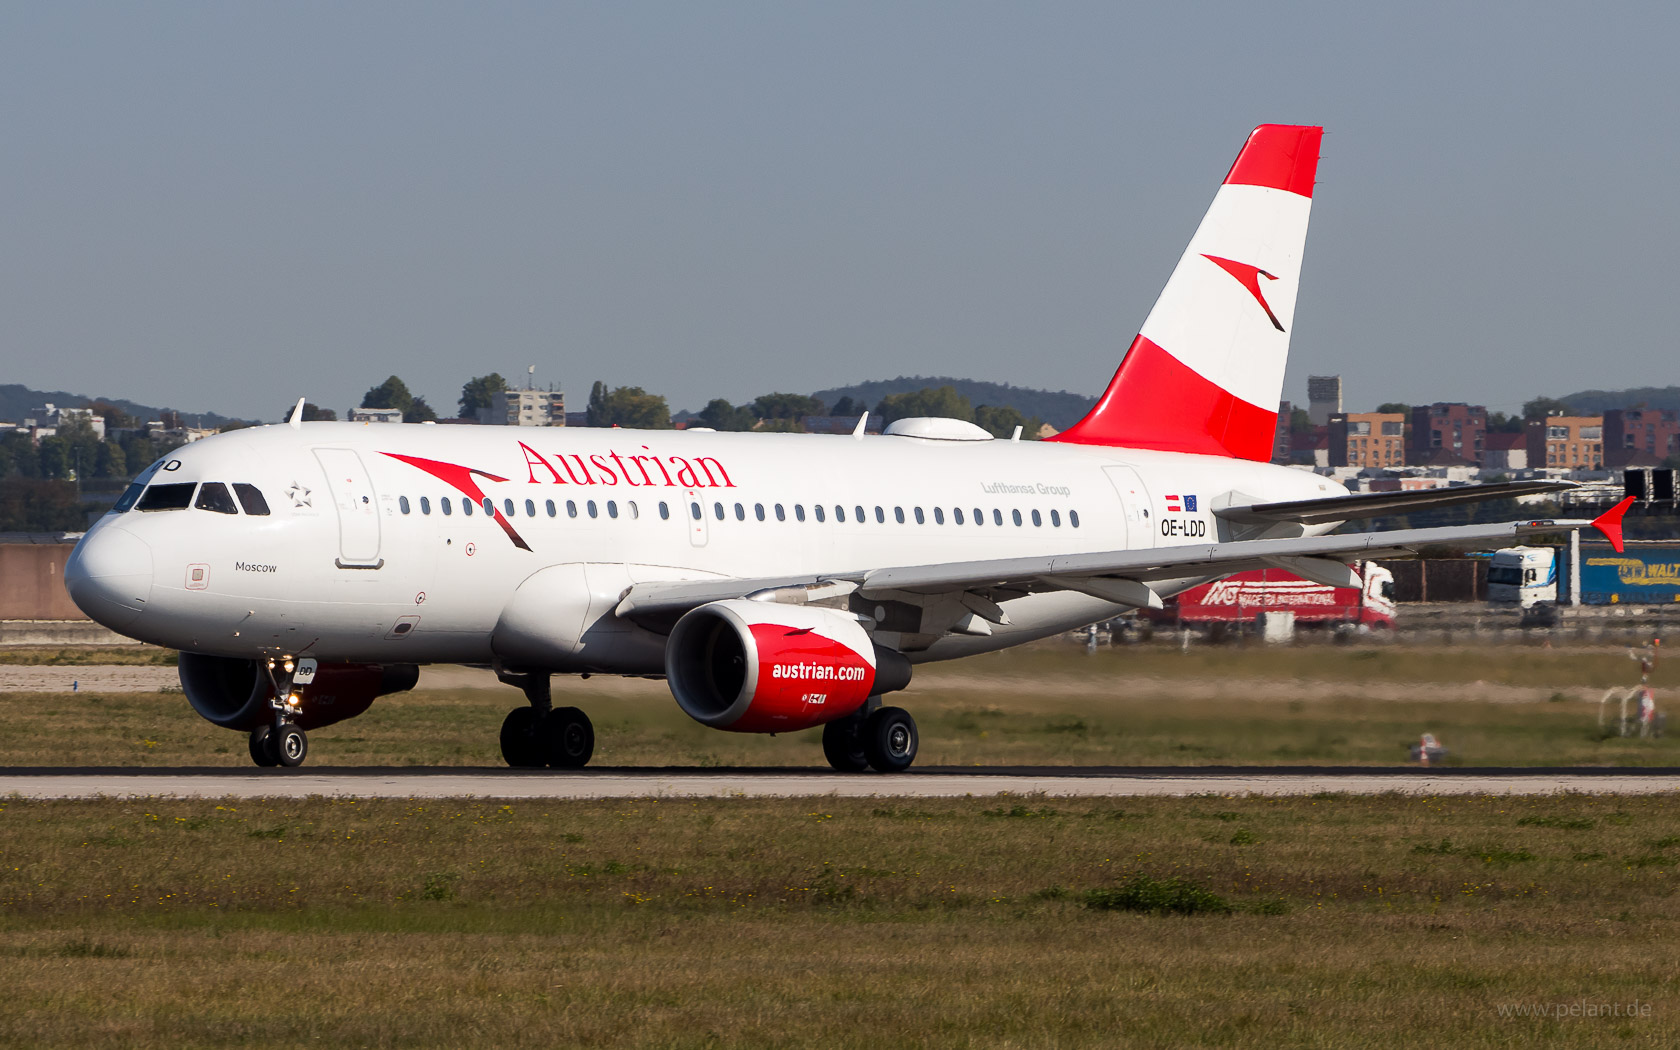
[(1522, 576)]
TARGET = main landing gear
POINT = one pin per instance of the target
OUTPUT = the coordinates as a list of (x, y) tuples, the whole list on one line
[(883, 740), (283, 743), (544, 735)]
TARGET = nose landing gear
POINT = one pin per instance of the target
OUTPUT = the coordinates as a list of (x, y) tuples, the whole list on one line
[(283, 743), (544, 735)]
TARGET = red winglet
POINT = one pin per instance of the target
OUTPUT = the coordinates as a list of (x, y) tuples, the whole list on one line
[(1610, 523)]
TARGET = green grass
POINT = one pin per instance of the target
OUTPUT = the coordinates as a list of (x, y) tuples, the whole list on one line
[(78, 656), (850, 923), (1048, 705)]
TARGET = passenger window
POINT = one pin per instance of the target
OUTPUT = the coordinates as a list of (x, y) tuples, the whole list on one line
[(997, 517), (664, 511), (861, 518), (1073, 518), (612, 508), (758, 509), (167, 497), (740, 513), (694, 511), (466, 506), (530, 509), (548, 505), (213, 496), (594, 512), (717, 511), (799, 512), (898, 512), (880, 516), (425, 505), (251, 499), (1016, 515), (1037, 520), (1056, 518), (571, 508), (938, 516), (818, 511), (840, 513), (979, 516), (507, 507), (781, 515), (956, 515), (630, 507), (402, 503), (446, 506)]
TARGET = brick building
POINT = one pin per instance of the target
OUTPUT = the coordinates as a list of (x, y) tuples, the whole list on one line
[(1640, 437), (1367, 439), (1505, 452), (1447, 433), (1566, 442)]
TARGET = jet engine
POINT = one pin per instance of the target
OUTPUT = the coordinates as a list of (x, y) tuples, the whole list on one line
[(235, 693), (760, 667)]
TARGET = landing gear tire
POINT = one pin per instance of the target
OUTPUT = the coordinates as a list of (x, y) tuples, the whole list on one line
[(262, 747), (566, 738), (889, 740), (843, 744), (519, 738), (289, 744)]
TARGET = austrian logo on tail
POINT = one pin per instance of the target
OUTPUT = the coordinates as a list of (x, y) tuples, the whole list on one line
[(1249, 277), (461, 479)]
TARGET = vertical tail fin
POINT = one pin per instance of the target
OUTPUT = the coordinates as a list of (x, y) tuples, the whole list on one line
[(1205, 372)]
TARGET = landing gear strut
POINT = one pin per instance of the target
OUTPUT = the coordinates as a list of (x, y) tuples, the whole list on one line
[(544, 735), (282, 743), (883, 739)]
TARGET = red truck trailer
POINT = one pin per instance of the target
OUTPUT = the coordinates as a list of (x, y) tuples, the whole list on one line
[(1240, 598)]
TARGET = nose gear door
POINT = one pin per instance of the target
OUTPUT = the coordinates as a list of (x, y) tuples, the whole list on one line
[(358, 508)]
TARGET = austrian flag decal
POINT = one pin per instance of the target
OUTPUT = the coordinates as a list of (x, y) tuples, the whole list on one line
[(1181, 505)]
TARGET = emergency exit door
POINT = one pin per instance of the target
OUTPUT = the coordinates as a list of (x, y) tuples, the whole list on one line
[(1134, 505), (358, 508)]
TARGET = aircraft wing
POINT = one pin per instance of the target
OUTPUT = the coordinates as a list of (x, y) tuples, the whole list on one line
[(1119, 576), (1370, 504)]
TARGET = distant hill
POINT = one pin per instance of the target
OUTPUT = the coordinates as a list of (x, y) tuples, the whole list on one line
[(18, 401), (1057, 407), (1594, 402)]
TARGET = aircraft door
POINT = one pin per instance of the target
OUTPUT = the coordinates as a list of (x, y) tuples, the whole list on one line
[(694, 516), (358, 508), (1134, 505)]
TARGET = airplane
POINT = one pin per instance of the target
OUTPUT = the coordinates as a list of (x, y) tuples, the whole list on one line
[(776, 582)]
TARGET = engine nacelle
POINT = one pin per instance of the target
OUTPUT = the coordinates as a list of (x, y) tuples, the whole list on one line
[(235, 694), (760, 667)]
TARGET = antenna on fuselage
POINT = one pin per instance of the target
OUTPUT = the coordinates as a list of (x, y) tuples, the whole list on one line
[(863, 421), (296, 419)]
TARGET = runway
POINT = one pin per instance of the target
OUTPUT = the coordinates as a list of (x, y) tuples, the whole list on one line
[(933, 782)]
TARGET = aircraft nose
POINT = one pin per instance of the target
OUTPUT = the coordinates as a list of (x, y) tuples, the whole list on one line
[(109, 576)]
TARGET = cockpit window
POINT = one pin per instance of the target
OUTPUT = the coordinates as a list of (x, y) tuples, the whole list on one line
[(213, 496), (129, 495), (167, 497), (251, 498)]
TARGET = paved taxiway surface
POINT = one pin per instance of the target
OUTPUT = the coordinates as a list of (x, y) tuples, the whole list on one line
[(795, 783)]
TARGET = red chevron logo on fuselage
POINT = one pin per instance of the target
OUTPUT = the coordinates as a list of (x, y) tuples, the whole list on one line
[(1249, 277), (461, 479)]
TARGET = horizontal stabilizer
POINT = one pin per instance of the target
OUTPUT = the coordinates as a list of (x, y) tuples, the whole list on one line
[(1373, 504)]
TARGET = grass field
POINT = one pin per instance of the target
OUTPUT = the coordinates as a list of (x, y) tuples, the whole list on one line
[(1332, 921), (1050, 705)]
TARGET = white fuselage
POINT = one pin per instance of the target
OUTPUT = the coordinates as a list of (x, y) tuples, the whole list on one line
[(357, 560)]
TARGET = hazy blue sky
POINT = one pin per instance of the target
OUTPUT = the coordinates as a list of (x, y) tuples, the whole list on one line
[(226, 206)]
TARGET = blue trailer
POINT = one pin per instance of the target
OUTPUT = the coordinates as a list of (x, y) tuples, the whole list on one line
[(1644, 574)]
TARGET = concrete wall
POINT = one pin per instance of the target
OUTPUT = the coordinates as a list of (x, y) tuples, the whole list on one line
[(32, 582)]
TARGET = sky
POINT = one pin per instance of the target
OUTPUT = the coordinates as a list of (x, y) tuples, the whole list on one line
[(225, 207)]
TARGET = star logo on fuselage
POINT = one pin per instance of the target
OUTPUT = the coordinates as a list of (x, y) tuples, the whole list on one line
[(299, 495), (1249, 277)]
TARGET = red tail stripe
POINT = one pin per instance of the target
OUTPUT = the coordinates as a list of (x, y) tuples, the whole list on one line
[(1155, 401), (1282, 156)]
